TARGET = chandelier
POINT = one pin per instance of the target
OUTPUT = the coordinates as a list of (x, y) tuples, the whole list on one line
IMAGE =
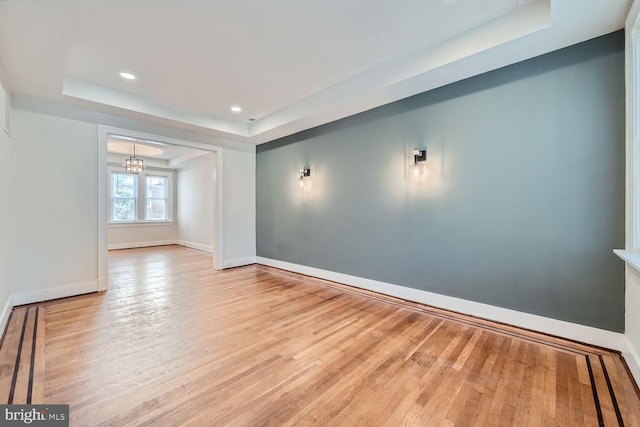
[(134, 164)]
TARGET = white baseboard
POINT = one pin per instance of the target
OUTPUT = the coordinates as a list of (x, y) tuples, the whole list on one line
[(133, 245), (54, 293), (5, 313), (239, 262), (633, 360), (197, 246), (560, 328)]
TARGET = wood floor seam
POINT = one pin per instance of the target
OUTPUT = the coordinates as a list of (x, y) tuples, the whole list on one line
[(594, 390), (17, 364), (33, 357), (27, 373), (611, 391)]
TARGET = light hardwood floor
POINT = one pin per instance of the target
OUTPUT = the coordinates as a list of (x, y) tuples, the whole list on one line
[(174, 342)]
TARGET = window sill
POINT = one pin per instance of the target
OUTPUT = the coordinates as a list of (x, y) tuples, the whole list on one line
[(630, 257), (141, 224)]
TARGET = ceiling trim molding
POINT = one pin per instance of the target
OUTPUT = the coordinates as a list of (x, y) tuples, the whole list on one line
[(146, 124), (403, 77), (633, 18), (515, 32), (87, 91), (390, 81), (185, 159)]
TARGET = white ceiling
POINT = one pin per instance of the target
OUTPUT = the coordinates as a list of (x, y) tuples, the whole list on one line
[(156, 150), (291, 64), (154, 154)]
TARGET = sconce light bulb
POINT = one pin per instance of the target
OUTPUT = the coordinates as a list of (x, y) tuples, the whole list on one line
[(416, 169), (301, 182), (417, 166)]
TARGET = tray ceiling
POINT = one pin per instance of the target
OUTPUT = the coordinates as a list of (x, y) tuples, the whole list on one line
[(291, 65)]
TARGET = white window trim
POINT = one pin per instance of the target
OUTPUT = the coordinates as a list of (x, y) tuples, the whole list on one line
[(141, 199)]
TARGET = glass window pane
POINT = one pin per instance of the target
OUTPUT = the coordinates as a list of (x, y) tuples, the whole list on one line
[(124, 210), (156, 187), (156, 210), (124, 184)]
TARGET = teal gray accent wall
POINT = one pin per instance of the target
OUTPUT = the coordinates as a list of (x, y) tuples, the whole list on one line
[(521, 205)]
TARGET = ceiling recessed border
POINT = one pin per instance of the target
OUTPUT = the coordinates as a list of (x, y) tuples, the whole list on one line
[(77, 88), (521, 34), (382, 84)]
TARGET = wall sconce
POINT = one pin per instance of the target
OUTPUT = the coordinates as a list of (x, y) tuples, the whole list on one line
[(304, 172), (417, 167)]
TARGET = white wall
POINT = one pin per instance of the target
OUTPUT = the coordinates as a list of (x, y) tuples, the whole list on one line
[(54, 226), (5, 194), (238, 173), (632, 324), (139, 236), (196, 202), (239, 208), (54, 207), (122, 236)]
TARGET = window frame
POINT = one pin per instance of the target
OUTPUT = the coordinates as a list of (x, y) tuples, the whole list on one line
[(141, 198)]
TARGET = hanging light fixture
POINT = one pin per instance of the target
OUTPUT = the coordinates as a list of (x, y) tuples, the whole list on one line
[(134, 164)]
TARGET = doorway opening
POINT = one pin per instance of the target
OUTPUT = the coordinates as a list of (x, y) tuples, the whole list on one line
[(176, 198)]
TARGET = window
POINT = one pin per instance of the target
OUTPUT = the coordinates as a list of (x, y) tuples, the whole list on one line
[(144, 197), (124, 189), (157, 192)]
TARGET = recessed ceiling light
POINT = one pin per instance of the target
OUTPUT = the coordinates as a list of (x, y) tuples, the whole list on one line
[(127, 75), (236, 109)]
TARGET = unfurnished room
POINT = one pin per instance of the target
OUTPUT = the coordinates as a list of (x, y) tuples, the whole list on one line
[(423, 213)]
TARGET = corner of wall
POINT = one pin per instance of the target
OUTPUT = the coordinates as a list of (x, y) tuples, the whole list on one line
[(6, 300), (5, 313), (633, 361), (239, 184)]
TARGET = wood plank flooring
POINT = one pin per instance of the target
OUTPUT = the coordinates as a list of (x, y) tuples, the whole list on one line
[(22, 357), (174, 342)]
